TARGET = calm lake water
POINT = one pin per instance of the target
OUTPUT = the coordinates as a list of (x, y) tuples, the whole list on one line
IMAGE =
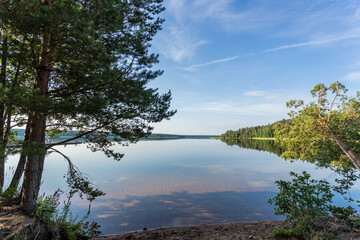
[(176, 183)]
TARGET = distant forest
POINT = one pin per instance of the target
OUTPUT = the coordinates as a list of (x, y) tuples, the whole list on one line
[(19, 135), (265, 131)]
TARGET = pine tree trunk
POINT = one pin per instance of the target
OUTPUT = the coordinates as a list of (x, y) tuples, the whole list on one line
[(349, 153), (2, 172), (4, 48), (35, 161), (21, 165), (34, 166)]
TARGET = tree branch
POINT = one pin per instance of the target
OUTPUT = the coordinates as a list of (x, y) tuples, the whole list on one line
[(76, 137), (332, 103)]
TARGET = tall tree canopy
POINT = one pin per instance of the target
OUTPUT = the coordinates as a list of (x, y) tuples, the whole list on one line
[(89, 64), (326, 130)]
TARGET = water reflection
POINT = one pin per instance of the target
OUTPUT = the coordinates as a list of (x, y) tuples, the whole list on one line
[(181, 209), (261, 145), (175, 183)]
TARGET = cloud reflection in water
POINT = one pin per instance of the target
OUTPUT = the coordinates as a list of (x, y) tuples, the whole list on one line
[(181, 209), (175, 183)]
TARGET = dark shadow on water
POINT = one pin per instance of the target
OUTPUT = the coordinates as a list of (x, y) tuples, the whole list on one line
[(260, 145), (181, 209)]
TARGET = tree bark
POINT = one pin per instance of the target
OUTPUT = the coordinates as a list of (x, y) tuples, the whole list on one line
[(21, 165), (348, 152), (34, 166), (35, 160), (4, 57)]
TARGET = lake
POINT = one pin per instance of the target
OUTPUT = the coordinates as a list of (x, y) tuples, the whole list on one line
[(176, 183)]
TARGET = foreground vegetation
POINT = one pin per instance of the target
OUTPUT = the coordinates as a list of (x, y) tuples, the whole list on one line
[(52, 220), (308, 206)]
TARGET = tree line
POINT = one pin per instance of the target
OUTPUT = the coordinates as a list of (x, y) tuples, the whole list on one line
[(326, 131), (261, 131)]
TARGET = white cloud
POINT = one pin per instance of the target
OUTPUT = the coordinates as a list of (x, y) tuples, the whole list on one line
[(176, 7), (177, 44), (352, 77), (355, 17), (353, 34), (240, 109), (194, 67), (251, 18), (180, 38)]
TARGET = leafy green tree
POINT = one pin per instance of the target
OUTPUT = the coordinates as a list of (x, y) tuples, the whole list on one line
[(326, 130), (90, 64)]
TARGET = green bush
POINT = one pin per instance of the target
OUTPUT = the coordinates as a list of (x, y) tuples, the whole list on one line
[(61, 224), (302, 198), (307, 203)]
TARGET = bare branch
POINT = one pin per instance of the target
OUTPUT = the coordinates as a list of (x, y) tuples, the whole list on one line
[(347, 121), (319, 107), (332, 103)]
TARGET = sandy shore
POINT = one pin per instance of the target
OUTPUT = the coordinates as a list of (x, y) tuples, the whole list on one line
[(245, 230)]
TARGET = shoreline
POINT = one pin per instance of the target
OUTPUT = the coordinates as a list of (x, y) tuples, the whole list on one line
[(240, 230)]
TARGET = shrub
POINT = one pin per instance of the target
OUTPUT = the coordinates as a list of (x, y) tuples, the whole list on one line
[(61, 224), (307, 205), (302, 198)]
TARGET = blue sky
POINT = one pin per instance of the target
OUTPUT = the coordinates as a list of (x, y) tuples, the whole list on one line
[(235, 63)]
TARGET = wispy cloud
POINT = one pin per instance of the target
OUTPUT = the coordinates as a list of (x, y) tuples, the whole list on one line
[(180, 39), (176, 7), (322, 41), (177, 44), (194, 67), (352, 76), (252, 18), (260, 109), (181, 35)]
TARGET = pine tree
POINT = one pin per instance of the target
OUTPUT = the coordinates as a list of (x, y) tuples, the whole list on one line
[(90, 64)]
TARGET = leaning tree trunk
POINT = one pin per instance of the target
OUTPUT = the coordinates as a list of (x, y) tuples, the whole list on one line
[(4, 56), (354, 158), (21, 165), (2, 168)]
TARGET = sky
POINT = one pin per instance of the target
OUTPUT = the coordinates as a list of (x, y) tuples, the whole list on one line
[(235, 63)]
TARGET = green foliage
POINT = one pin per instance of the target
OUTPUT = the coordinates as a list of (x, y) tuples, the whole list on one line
[(266, 131), (80, 66), (99, 69), (305, 202), (310, 133), (261, 145), (11, 193), (290, 233), (303, 198), (80, 183), (61, 224)]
